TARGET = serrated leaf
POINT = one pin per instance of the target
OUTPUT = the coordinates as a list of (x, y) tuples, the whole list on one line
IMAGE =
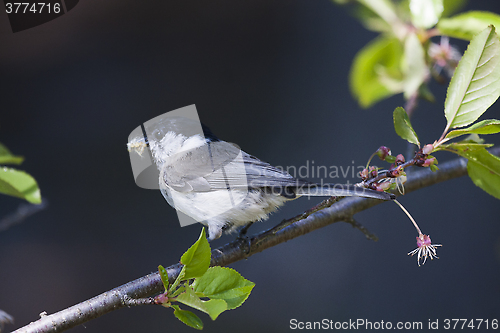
[(467, 25), (403, 126), (19, 184), (425, 13), (476, 82), (6, 157), (483, 167), (163, 276), (488, 126), (414, 68), (188, 318), (213, 307), (374, 65), (224, 283), (197, 258), (484, 170)]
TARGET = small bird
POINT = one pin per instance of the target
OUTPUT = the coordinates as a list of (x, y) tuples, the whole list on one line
[(218, 184)]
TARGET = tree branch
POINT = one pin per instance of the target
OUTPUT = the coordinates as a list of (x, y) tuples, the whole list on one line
[(137, 292)]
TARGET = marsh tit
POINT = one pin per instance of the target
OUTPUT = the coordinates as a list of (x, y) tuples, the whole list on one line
[(219, 185)]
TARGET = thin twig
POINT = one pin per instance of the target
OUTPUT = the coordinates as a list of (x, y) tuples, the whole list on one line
[(283, 224), (411, 103), (360, 227), (23, 211)]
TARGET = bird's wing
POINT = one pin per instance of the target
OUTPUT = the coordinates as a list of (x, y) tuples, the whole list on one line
[(222, 165)]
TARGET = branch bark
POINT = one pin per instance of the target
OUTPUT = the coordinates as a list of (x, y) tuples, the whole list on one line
[(128, 294)]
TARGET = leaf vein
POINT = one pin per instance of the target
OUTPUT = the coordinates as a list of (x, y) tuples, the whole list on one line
[(484, 63)]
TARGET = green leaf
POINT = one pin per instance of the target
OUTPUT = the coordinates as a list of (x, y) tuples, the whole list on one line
[(414, 68), (467, 25), (383, 8), (476, 82), (369, 18), (19, 184), (386, 10), (463, 147), (188, 318), (390, 159), (173, 290), (403, 126), (224, 283), (6, 157), (474, 138), (164, 276), (213, 307), (483, 167), (434, 168), (374, 66), (489, 126), (452, 6), (197, 258), (484, 170), (425, 13)]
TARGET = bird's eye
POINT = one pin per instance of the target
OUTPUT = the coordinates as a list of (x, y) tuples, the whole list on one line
[(158, 134)]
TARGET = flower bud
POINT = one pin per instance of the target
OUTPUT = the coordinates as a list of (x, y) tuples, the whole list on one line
[(383, 152), (428, 149), (429, 162), (364, 174), (161, 299)]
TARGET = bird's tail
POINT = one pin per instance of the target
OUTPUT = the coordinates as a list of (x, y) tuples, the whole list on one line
[(340, 190)]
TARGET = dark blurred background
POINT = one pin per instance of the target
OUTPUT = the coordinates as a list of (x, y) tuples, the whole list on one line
[(268, 75)]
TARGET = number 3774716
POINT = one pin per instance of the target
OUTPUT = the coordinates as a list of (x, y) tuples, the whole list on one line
[(32, 7)]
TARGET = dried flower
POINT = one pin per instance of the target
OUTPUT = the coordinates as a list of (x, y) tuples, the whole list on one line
[(425, 249)]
